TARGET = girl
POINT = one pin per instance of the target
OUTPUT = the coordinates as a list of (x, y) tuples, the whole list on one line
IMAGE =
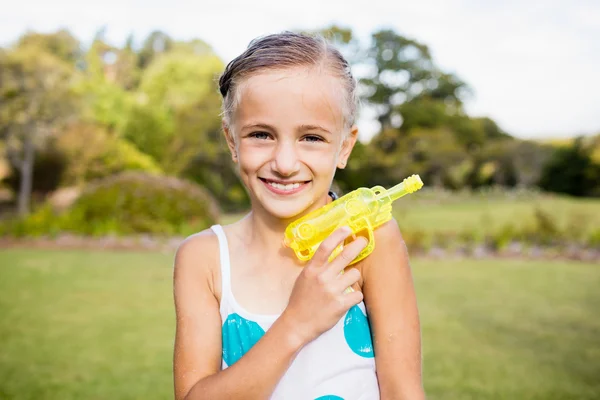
[(253, 322)]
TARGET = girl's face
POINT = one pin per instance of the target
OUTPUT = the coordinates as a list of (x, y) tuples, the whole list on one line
[(287, 135)]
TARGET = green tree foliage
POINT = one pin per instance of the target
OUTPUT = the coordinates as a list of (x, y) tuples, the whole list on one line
[(400, 70), (61, 44), (509, 163), (178, 79), (572, 170), (36, 100), (155, 44), (94, 153), (179, 99), (109, 73), (179, 109)]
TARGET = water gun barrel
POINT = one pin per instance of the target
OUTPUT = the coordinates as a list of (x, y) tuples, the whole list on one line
[(407, 186)]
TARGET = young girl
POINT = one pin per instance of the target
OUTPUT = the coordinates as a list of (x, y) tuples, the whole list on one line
[(253, 322)]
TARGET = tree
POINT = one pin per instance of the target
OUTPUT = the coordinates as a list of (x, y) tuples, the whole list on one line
[(61, 44), (35, 101), (571, 170), (178, 112), (155, 44), (400, 70)]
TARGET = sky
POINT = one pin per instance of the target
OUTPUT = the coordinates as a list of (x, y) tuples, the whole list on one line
[(533, 66)]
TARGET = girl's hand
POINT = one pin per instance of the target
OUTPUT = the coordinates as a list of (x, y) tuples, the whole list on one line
[(318, 299)]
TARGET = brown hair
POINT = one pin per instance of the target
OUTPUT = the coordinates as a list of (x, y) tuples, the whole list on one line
[(287, 50)]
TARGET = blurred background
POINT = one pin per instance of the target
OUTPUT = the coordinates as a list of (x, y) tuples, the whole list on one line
[(111, 153)]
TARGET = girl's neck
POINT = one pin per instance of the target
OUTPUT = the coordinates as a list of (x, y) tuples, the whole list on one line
[(265, 232)]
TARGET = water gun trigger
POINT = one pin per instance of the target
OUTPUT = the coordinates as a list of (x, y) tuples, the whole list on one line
[(364, 252)]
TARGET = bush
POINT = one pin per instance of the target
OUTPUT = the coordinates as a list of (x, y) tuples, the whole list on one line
[(128, 203), (134, 202), (572, 170)]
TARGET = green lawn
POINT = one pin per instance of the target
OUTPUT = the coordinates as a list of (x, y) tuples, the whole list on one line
[(99, 325), (434, 212)]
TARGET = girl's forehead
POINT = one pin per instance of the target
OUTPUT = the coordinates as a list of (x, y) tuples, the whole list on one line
[(296, 94)]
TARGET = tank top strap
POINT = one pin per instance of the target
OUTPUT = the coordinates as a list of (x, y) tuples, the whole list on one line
[(224, 262)]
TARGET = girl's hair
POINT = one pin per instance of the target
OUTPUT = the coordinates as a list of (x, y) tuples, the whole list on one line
[(287, 50)]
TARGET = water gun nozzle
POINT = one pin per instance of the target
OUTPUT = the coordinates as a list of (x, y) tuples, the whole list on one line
[(413, 183)]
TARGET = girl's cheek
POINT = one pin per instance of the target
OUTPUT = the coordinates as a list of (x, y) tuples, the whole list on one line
[(322, 159)]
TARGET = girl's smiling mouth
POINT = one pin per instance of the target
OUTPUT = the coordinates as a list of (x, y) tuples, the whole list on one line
[(284, 187)]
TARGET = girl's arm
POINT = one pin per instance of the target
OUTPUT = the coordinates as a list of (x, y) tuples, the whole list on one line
[(392, 308), (197, 355)]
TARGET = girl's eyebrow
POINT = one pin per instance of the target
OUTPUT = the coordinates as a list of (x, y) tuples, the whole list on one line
[(314, 128), (259, 126), (304, 127)]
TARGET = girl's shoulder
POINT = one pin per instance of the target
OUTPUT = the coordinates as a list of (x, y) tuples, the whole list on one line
[(388, 239), (388, 234), (197, 260)]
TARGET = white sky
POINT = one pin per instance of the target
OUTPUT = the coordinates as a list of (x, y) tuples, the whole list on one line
[(534, 65)]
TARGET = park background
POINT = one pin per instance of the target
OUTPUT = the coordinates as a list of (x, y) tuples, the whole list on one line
[(111, 152)]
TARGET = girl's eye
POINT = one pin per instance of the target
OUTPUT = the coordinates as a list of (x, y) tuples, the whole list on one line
[(259, 135), (313, 138)]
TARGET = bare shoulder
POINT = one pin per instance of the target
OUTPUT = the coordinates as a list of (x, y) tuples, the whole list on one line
[(388, 234), (197, 260), (390, 248), (390, 254)]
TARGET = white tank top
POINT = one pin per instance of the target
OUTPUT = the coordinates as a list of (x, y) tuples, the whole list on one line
[(338, 365)]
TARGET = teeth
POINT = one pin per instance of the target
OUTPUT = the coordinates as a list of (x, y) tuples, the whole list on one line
[(289, 186)]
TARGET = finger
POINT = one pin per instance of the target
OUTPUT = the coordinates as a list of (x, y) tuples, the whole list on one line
[(352, 298), (347, 279), (350, 252), (328, 245)]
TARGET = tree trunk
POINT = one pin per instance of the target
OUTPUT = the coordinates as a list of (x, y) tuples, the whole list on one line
[(26, 176)]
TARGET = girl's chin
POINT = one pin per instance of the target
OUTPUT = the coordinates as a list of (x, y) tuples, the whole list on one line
[(285, 212)]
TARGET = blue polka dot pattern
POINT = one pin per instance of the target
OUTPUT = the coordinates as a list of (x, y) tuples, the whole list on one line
[(329, 397), (358, 333), (239, 335)]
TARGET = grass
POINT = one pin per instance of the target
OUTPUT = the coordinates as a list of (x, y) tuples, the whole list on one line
[(99, 325), (79, 325), (434, 211)]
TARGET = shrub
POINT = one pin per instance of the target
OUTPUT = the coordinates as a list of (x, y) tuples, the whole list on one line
[(128, 203), (416, 240), (134, 202), (547, 231), (44, 221), (572, 170), (501, 238), (593, 239)]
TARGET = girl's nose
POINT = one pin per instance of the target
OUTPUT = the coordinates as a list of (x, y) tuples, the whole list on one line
[(285, 160)]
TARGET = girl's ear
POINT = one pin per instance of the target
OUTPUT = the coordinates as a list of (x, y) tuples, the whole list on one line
[(230, 141), (347, 147)]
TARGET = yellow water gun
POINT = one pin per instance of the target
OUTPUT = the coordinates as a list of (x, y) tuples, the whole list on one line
[(362, 210)]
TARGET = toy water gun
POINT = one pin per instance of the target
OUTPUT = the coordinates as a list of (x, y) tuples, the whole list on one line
[(362, 210)]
